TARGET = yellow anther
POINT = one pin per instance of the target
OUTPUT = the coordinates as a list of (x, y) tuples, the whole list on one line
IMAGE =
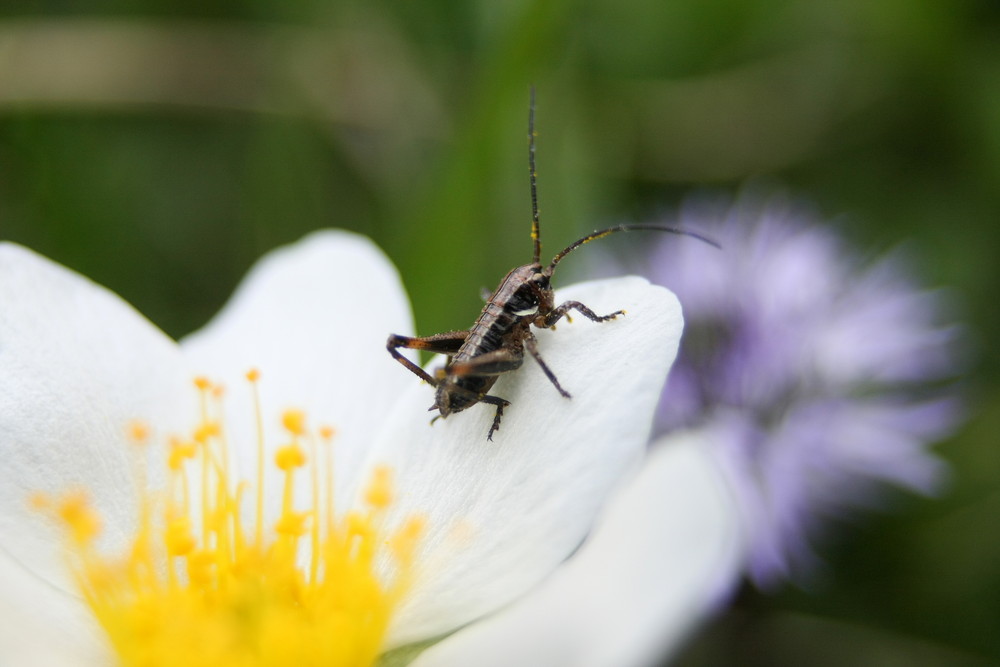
[(292, 524), (201, 568), (290, 457), (180, 452), (327, 432), (138, 431), (357, 524), (76, 512), (39, 501), (178, 536), (206, 431), (404, 543), (253, 375), (379, 491), (294, 422), (202, 382)]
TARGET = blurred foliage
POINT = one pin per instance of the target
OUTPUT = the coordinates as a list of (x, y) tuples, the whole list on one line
[(160, 150)]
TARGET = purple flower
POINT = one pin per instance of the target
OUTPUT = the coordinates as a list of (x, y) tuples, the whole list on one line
[(815, 378)]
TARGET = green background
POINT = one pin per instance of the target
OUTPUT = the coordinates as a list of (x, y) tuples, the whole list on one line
[(160, 150)]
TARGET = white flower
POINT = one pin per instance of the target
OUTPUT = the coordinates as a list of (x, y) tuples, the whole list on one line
[(77, 364)]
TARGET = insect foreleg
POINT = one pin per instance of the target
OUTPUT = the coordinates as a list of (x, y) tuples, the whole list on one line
[(531, 343), (442, 343), (558, 312)]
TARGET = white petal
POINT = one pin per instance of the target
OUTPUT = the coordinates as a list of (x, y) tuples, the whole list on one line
[(654, 567), (41, 626), (503, 514), (313, 317), (77, 364)]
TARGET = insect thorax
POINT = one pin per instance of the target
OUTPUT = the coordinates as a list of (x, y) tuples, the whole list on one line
[(522, 291)]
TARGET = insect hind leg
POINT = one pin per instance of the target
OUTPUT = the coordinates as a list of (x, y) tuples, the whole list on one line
[(561, 311), (492, 363), (443, 343)]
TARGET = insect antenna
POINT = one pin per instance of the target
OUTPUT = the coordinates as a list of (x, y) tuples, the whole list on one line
[(623, 228), (535, 237)]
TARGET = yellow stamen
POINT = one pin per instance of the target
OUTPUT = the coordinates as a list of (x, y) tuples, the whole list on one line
[(76, 513), (253, 376), (290, 457), (294, 421), (379, 491), (192, 590), (138, 431)]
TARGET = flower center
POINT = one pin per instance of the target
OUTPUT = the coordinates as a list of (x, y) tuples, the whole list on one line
[(199, 586)]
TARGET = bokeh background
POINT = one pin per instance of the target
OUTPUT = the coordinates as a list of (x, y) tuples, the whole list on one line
[(161, 147)]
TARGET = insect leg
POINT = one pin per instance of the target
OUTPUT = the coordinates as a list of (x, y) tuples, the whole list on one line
[(496, 362), (500, 404), (531, 343), (558, 312), (442, 343)]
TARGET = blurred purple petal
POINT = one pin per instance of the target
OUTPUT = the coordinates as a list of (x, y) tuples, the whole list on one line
[(819, 376)]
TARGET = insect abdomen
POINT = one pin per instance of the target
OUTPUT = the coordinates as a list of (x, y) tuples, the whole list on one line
[(487, 333)]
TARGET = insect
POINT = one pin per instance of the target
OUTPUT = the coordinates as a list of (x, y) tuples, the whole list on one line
[(496, 343)]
